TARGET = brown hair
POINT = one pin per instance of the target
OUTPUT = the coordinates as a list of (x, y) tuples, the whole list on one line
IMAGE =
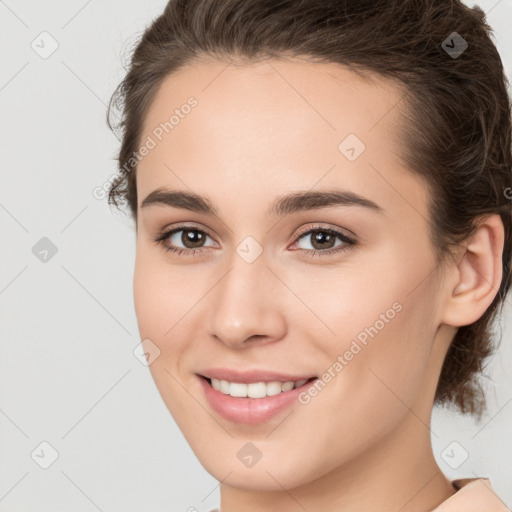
[(457, 129)]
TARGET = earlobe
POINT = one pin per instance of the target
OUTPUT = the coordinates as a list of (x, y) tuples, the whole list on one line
[(479, 272)]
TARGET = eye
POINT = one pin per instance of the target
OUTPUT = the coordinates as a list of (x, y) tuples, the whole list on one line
[(191, 238), (324, 241)]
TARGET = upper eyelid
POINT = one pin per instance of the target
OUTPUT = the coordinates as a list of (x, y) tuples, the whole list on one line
[(189, 227), (318, 227)]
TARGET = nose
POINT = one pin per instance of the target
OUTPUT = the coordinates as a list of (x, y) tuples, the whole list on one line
[(247, 305)]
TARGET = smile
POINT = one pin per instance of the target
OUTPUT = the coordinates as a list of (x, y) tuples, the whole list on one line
[(253, 402)]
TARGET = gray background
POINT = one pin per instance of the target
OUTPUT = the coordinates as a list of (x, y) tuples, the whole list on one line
[(68, 328)]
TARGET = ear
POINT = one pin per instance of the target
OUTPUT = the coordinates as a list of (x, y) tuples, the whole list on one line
[(476, 278)]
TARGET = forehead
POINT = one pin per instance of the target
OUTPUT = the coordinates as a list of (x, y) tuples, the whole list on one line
[(276, 125), (269, 95)]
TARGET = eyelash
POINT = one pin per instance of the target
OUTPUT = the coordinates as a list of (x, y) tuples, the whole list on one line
[(348, 242)]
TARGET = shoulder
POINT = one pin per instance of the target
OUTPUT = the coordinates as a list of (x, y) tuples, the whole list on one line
[(473, 495)]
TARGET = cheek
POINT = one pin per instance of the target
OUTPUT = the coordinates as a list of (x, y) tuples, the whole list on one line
[(379, 310), (158, 296), (384, 364), (159, 305), (379, 352), (163, 296), (377, 384)]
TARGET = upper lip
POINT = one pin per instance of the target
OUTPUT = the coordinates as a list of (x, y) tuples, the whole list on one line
[(251, 376)]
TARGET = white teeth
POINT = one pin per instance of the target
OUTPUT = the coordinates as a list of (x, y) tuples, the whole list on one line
[(254, 389), (274, 388), (288, 385), (223, 386), (237, 389)]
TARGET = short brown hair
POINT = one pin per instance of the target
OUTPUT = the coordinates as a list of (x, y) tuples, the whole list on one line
[(457, 130)]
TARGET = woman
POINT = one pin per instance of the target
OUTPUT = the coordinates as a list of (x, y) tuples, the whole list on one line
[(324, 238)]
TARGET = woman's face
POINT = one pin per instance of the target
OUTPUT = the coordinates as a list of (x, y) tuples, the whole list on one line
[(343, 288)]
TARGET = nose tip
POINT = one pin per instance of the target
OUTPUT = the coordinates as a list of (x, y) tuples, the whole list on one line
[(243, 311)]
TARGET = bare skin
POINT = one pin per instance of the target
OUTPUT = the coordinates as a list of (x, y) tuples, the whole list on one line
[(261, 131)]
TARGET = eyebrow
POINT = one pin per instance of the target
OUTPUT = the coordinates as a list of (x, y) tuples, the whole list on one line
[(284, 205)]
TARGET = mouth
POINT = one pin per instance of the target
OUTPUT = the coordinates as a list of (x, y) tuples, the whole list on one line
[(251, 403)]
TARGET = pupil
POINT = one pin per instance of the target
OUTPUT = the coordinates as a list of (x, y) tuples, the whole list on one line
[(192, 237), (321, 237)]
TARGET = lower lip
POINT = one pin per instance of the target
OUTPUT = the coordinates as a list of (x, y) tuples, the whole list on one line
[(250, 411)]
